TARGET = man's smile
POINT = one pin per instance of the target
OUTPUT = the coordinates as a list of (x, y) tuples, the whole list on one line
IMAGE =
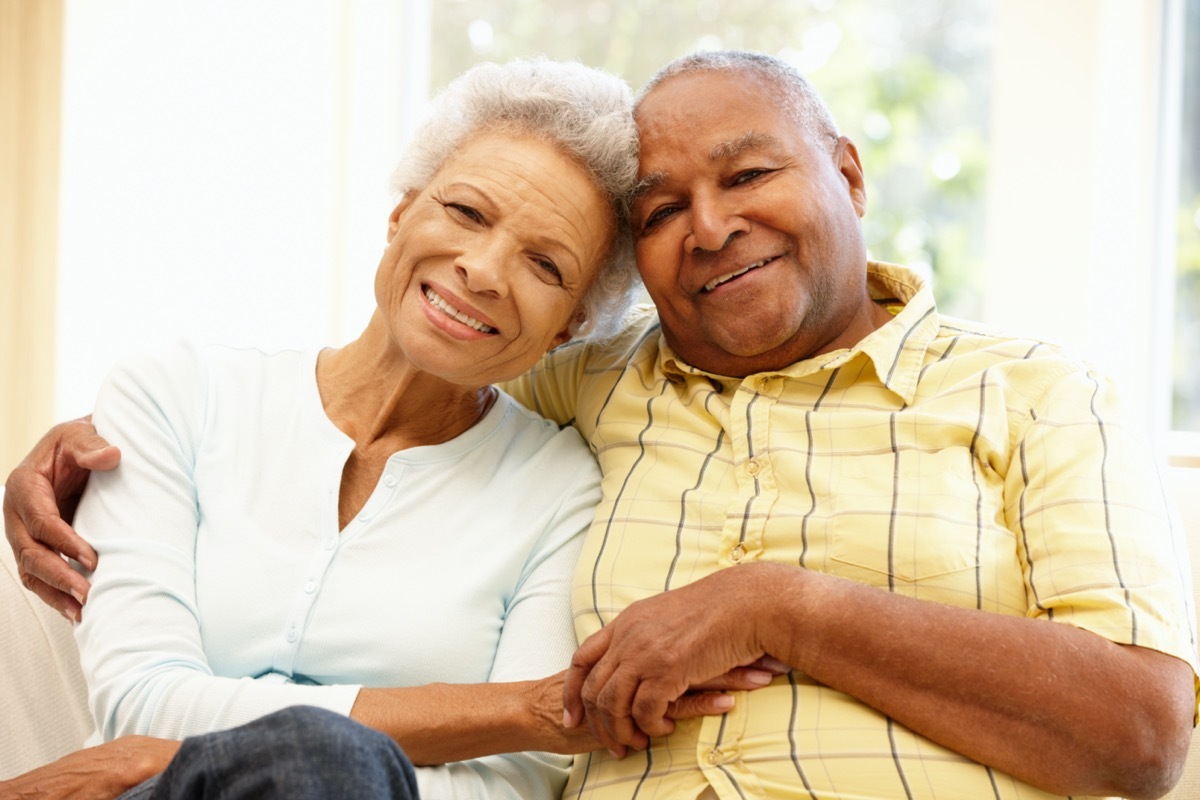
[(715, 282)]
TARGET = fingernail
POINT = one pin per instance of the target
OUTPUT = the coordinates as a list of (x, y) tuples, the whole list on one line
[(77, 595), (614, 753), (566, 718), (775, 665), (70, 615), (758, 677), (722, 702)]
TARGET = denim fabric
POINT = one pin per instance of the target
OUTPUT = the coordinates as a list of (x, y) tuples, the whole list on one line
[(300, 753)]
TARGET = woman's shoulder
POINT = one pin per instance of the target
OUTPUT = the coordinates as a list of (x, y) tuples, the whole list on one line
[(528, 435), (182, 356), (183, 381)]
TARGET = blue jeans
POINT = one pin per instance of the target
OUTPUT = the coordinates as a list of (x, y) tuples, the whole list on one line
[(303, 753)]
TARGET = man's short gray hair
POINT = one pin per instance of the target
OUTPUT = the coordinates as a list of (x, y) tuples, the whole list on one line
[(795, 94), (584, 112)]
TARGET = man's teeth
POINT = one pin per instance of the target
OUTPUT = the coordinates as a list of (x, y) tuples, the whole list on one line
[(715, 282), (439, 303)]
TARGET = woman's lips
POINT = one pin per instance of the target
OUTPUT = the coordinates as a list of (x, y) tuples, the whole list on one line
[(443, 305)]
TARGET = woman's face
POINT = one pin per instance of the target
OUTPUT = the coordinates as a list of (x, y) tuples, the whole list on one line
[(486, 266)]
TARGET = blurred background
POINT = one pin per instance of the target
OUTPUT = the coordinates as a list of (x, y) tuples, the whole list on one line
[(219, 170)]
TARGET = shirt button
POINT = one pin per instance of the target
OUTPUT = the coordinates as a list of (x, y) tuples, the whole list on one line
[(389, 481), (753, 467), (763, 384), (310, 587), (715, 757), (291, 634), (737, 553), (330, 544)]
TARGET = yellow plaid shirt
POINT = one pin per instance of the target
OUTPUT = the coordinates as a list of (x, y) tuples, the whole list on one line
[(935, 459)]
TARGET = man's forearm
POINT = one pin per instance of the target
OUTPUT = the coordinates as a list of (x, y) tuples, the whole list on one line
[(1051, 704)]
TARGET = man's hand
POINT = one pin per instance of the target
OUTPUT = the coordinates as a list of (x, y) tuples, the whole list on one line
[(40, 497), (629, 680), (97, 773)]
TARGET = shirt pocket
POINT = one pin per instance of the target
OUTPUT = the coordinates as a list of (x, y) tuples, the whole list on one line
[(927, 518)]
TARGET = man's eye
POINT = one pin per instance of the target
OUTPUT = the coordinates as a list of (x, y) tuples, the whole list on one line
[(658, 215), (748, 175)]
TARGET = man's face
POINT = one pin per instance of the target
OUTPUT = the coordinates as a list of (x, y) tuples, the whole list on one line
[(748, 236)]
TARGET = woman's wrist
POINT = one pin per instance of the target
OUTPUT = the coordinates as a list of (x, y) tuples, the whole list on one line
[(440, 722)]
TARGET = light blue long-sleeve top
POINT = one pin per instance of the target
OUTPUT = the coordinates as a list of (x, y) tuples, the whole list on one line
[(225, 590)]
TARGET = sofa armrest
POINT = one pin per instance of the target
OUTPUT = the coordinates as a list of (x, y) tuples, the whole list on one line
[(42, 690)]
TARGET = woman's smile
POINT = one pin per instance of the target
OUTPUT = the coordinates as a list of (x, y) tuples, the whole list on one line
[(444, 315)]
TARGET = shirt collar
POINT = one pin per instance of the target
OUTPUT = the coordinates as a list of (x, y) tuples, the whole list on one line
[(896, 350)]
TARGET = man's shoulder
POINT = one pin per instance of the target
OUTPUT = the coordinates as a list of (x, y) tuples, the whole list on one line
[(971, 336), (968, 352), (638, 337)]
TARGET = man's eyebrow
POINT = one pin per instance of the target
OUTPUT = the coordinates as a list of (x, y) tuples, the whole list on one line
[(750, 140), (648, 184)]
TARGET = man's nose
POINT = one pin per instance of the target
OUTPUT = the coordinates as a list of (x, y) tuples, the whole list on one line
[(715, 222)]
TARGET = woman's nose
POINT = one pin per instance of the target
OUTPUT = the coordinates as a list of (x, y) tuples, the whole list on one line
[(484, 268)]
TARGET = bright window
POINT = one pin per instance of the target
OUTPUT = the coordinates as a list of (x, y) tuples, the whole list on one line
[(1185, 395)]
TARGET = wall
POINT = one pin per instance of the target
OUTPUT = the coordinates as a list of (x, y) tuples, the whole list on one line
[(30, 71)]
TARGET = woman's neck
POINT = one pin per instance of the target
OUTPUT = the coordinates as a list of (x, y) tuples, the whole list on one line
[(378, 399), (384, 404)]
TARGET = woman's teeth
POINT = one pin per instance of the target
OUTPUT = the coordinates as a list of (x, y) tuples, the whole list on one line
[(438, 302), (715, 282)]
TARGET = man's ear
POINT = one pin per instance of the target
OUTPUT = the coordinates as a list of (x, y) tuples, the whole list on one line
[(848, 163), (397, 212)]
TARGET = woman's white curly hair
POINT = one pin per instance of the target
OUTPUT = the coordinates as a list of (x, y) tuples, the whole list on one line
[(584, 112)]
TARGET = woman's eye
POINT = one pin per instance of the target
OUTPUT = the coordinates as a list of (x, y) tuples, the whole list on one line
[(549, 268), (466, 211)]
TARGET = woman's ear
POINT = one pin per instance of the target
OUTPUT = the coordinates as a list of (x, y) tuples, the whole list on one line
[(397, 212), (568, 333)]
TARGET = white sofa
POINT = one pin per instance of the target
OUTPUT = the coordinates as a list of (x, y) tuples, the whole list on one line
[(45, 704)]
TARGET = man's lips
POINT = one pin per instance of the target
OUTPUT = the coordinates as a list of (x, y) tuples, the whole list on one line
[(715, 282), (441, 304)]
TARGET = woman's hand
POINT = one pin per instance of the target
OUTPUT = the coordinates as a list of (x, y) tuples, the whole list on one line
[(39, 501), (97, 773), (702, 700)]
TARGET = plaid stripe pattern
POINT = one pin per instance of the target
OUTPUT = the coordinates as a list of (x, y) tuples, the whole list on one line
[(936, 459)]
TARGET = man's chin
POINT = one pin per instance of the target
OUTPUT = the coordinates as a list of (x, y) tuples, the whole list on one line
[(735, 356)]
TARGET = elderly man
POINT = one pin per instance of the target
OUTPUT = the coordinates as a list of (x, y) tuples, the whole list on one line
[(944, 532)]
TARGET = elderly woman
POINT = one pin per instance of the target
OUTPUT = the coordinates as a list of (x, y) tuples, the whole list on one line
[(343, 528)]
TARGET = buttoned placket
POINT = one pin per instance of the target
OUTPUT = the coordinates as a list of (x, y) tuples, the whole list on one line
[(749, 437), (322, 560)]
